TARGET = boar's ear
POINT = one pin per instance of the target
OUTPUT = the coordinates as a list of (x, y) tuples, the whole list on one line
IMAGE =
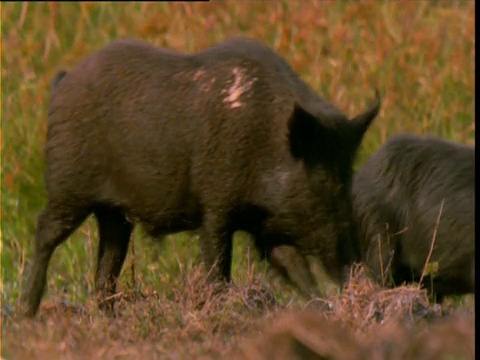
[(361, 122), (304, 130)]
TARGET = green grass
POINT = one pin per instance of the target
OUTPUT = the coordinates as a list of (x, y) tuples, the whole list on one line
[(419, 54)]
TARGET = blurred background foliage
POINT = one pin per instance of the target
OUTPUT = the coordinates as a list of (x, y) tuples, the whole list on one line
[(420, 54)]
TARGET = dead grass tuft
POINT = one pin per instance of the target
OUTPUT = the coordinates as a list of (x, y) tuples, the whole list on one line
[(364, 304), (368, 322)]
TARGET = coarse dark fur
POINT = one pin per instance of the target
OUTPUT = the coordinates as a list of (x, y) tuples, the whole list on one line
[(225, 139), (397, 196)]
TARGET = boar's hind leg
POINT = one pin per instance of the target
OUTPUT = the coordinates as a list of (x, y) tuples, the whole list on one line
[(216, 246), (294, 266), (54, 225), (114, 234)]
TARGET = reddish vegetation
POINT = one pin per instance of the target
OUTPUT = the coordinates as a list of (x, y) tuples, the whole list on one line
[(368, 322), (195, 321), (311, 335)]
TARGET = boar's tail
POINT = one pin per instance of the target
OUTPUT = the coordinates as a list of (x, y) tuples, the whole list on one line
[(57, 78), (362, 121)]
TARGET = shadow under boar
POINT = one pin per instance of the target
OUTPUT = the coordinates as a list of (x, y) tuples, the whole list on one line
[(397, 199), (221, 140)]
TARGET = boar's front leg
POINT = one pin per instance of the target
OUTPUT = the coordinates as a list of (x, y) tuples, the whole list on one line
[(216, 246), (114, 234), (294, 266)]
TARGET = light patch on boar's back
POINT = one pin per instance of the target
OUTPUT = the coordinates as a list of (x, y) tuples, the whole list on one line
[(206, 86), (238, 88), (198, 74), (206, 83)]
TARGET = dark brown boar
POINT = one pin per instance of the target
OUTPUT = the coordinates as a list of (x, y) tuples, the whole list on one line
[(221, 140), (397, 202)]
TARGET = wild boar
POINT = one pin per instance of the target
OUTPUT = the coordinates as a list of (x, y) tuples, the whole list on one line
[(397, 203), (221, 140)]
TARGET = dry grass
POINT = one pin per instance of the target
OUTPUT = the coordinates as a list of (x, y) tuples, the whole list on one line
[(193, 320), (196, 321), (368, 322), (312, 335)]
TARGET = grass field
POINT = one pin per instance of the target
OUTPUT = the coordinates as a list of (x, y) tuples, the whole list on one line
[(419, 54)]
